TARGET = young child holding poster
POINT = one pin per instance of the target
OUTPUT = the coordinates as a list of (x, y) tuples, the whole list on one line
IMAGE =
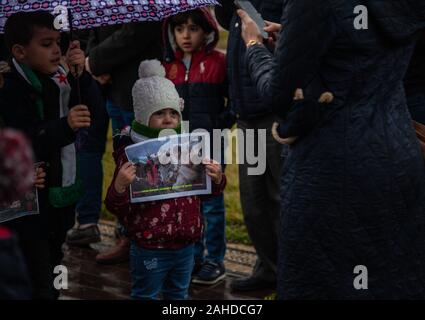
[(163, 232)]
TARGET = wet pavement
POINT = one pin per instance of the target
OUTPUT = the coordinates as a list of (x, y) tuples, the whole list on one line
[(91, 281)]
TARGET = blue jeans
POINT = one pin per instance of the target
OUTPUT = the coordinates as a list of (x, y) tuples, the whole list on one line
[(214, 238), (416, 104), (119, 117), (160, 271), (90, 171)]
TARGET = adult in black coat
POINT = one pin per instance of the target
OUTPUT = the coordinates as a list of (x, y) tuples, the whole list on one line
[(259, 192), (353, 187)]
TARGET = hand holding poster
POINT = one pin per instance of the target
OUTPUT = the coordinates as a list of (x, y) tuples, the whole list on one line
[(170, 167)]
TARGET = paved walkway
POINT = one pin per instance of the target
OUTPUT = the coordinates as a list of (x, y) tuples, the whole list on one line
[(90, 281)]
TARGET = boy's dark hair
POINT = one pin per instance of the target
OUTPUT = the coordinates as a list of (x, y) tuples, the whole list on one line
[(197, 17), (19, 27)]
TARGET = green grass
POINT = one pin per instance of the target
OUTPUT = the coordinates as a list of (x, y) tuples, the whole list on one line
[(222, 43), (235, 230), (108, 173), (272, 296)]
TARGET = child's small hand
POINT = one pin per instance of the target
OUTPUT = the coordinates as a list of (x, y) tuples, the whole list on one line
[(40, 178), (213, 170), (125, 177), (75, 58), (79, 117)]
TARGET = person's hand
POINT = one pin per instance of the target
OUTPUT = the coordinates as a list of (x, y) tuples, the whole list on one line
[(103, 79), (40, 178), (4, 67), (250, 30), (79, 117), (75, 58), (213, 170), (273, 29), (125, 177)]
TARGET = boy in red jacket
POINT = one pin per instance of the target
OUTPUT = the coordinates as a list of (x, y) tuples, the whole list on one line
[(162, 232)]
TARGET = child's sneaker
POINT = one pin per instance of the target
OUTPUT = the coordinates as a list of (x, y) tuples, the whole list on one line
[(210, 273), (83, 236)]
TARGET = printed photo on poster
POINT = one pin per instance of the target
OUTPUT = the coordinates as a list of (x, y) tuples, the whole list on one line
[(25, 206), (170, 167)]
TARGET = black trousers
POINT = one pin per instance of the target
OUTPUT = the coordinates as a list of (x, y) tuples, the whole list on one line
[(260, 197), (41, 238), (14, 279)]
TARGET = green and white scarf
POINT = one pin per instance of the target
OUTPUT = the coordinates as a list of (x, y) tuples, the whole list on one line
[(140, 132)]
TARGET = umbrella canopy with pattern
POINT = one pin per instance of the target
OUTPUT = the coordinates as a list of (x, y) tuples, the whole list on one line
[(97, 13)]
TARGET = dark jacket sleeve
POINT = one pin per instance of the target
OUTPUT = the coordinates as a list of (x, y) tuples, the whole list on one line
[(226, 119), (219, 188), (127, 43), (116, 203), (45, 135), (53, 134), (216, 189), (80, 88), (298, 55), (224, 13)]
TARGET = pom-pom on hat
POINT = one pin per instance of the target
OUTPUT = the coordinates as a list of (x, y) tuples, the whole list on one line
[(153, 92)]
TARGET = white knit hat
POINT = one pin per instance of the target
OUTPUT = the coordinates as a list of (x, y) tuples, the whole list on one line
[(153, 92)]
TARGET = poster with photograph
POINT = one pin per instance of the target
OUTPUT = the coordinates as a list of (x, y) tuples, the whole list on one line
[(170, 167), (25, 206)]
